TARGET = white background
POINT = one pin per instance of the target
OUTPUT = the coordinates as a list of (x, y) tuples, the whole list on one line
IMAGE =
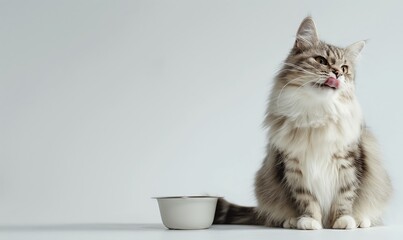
[(105, 104)]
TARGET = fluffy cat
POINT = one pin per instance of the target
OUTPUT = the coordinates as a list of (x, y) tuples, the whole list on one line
[(322, 168)]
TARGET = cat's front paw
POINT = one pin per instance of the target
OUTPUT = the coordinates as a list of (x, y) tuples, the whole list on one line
[(365, 223), (290, 223), (345, 222), (308, 223)]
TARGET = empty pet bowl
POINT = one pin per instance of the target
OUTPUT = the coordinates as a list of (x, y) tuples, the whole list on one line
[(187, 212)]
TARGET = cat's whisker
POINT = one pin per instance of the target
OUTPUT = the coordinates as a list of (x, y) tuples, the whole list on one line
[(295, 70), (350, 92), (282, 89), (315, 80), (300, 68), (292, 69)]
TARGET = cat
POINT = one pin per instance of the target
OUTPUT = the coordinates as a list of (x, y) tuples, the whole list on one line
[(322, 168)]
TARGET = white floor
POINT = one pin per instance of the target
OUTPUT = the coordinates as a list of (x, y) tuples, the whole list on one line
[(158, 231)]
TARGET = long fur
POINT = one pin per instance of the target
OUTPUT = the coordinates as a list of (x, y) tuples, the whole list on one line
[(323, 167)]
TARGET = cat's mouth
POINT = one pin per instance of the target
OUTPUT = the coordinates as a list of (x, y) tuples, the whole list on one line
[(331, 82)]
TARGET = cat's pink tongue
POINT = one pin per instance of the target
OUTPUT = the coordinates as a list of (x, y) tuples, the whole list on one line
[(332, 82)]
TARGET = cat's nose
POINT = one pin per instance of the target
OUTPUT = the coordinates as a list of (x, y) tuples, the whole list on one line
[(336, 72)]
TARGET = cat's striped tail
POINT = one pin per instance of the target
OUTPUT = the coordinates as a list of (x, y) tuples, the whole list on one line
[(228, 213)]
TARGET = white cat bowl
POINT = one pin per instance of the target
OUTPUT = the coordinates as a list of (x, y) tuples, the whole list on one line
[(187, 212)]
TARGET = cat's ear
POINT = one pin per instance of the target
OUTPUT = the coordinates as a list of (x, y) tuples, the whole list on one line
[(307, 35), (353, 51)]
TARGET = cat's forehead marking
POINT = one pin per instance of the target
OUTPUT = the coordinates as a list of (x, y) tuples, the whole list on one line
[(335, 52)]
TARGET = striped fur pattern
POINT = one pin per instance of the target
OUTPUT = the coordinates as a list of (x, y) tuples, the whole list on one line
[(322, 168), (230, 213)]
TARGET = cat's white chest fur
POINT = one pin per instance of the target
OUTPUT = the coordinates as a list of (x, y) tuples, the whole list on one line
[(315, 147), (321, 178), (313, 132)]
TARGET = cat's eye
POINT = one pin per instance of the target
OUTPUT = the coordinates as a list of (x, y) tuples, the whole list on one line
[(344, 68), (321, 60)]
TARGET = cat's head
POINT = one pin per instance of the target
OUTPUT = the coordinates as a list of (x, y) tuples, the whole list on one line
[(317, 68)]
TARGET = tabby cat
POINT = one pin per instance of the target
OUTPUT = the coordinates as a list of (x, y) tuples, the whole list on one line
[(322, 168)]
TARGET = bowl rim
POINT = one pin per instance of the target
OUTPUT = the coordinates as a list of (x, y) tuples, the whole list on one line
[(187, 197)]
